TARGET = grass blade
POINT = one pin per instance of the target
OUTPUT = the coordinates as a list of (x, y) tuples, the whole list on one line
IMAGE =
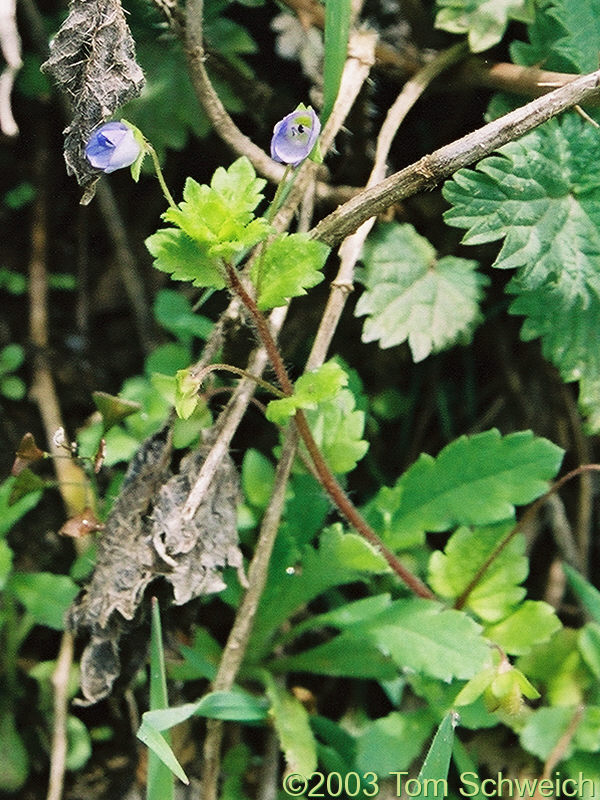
[(337, 30)]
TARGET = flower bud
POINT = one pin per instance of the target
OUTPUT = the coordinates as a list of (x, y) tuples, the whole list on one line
[(295, 136), (112, 146)]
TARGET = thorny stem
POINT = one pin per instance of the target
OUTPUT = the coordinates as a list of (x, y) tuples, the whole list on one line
[(326, 477), (527, 516)]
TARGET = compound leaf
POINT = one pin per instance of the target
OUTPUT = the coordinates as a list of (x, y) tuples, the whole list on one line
[(410, 295), (485, 21), (475, 480), (290, 264)]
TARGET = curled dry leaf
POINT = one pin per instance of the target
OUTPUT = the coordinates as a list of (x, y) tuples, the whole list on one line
[(92, 59), (144, 539)]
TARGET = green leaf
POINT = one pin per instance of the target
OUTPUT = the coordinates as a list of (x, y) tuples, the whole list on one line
[(11, 358), (541, 194), (557, 666), (12, 387), (156, 742), (79, 744), (411, 296), (113, 409), (563, 37), (337, 658), (484, 20), (160, 777), (589, 647), (236, 705), (310, 389), (14, 760), (337, 28), (6, 560), (468, 549), (341, 558), (475, 480), (293, 729), (437, 761), (258, 474), (392, 743), (220, 217), (11, 513), (337, 428), (588, 595), (422, 636), (532, 623), (290, 264), (174, 312), (45, 596), (545, 727), (184, 258)]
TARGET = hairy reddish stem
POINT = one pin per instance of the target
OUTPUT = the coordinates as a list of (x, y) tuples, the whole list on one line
[(328, 480)]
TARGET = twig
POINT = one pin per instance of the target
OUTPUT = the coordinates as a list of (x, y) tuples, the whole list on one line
[(58, 749), (237, 641), (433, 168)]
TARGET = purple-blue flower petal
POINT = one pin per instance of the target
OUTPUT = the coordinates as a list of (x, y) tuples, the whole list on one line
[(295, 136), (112, 146)]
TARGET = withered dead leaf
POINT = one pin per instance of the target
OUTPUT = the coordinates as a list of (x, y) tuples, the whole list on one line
[(144, 539), (92, 59)]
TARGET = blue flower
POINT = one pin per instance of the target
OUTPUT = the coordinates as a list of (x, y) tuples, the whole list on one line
[(295, 136), (112, 146)]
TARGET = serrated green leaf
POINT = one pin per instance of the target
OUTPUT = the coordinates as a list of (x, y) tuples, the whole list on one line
[(562, 37), (475, 480), (310, 389), (411, 296), (290, 264), (421, 636), (541, 194), (337, 428), (293, 729), (468, 549), (184, 258), (534, 622), (484, 20), (220, 217), (391, 743)]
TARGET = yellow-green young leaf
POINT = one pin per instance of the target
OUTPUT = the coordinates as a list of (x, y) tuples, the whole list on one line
[(310, 389), (541, 196), (485, 21), (497, 591), (290, 264), (293, 729), (184, 258), (475, 480), (411, 296)]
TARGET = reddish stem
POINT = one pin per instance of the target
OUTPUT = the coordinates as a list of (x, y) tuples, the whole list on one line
[(328, 480)]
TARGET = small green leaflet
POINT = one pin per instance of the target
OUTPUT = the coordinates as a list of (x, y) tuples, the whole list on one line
[(563, 37), (290, 264), (337, 428), (215, 224), (485, 21), (541, 195), (310, 389), (475, 480), (498, 591), (410, 295)]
